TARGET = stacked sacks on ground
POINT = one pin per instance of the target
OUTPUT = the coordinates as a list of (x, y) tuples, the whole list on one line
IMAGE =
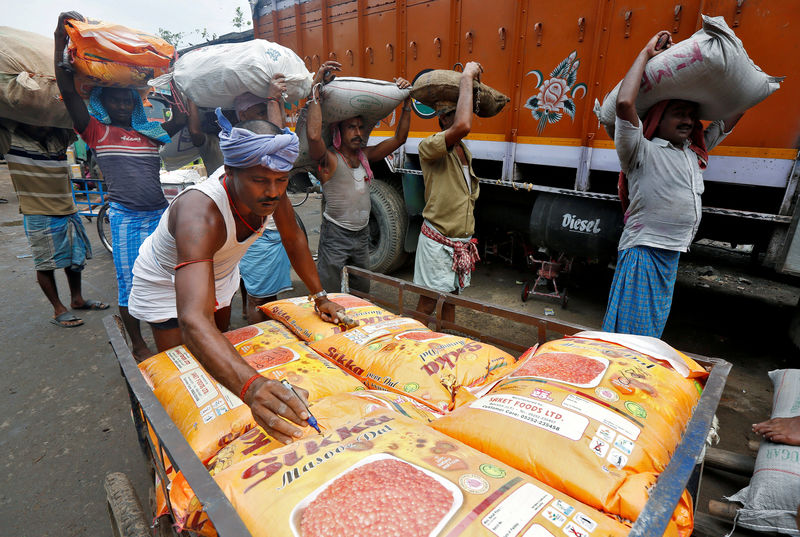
[(376, 472), (592, 418)]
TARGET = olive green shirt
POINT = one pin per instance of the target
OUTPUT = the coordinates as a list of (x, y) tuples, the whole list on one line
[(449, 205)]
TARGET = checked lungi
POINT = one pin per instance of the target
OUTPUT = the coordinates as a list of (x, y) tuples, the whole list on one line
[(57, 241), (641, 293), (129, 229)]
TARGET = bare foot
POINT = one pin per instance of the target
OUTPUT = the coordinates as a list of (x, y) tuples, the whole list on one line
[(142, 354), (780, 430)]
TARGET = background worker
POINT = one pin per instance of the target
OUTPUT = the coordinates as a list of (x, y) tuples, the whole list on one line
[(446, 251), (126, 147), (345, 173), (662, 159), (188, 270), (37, 163)]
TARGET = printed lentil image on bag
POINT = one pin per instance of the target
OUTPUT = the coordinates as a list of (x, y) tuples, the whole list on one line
[(382, 475), (594, 419)]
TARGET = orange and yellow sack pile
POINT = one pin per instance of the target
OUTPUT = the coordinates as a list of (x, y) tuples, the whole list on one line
[(379, 473), (107, 54), (299, 316), (401, 356), (209, 416), (591, 418)]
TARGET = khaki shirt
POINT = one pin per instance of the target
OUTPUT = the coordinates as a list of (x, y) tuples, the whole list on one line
[(449, 206)]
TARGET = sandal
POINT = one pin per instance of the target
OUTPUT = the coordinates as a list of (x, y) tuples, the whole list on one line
[(65, 318), (92, 305)]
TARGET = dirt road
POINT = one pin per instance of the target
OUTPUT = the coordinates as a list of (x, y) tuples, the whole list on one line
[(66, 420)]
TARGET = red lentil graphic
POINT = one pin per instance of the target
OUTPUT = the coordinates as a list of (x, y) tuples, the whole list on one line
[(563, 366), (270, 358), (420, 335), (384, 498), (241, 335)]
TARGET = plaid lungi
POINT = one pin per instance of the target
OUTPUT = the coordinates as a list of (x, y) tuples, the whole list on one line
[(129, 229), (641, 294), (57, 241)]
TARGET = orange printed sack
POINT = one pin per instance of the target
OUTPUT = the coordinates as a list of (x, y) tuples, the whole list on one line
[(299, 316), (591, 418), (173, 362), (437, 370), (381, 474), (210, 416), (107, 54)]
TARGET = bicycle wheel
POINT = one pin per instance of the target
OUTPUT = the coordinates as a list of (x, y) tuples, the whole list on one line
[(104, 227)]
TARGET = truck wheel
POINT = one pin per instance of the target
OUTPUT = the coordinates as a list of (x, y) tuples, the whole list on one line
[(388, 222), (124, 509)]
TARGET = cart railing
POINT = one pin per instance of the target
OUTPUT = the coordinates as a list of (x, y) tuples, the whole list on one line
[(171, 442), (89, 201), (685, 465)]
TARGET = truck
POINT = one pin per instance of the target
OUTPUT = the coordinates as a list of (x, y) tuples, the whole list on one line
[(548, 170)]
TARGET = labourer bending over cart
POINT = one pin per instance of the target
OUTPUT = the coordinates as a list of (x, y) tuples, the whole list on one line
[(126, 144), (662, 159), (344, 173), (446, 252), (187, 271)]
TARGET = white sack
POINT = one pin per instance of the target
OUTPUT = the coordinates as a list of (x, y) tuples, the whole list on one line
[(215, 75), (346, 97), (711, 68)]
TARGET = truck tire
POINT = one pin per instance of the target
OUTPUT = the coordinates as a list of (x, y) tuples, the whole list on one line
[(124, 508), (388, 222)]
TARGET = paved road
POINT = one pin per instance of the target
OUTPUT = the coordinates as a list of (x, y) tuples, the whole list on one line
[(66, 418)]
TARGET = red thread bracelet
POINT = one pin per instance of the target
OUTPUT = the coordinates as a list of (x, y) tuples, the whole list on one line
[(247, 385), (185, 263)]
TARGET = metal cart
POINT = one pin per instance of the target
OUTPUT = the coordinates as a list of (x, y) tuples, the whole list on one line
[(127, 515)]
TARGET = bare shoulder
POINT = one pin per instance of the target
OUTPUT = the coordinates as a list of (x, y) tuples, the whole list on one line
[(196, 212)]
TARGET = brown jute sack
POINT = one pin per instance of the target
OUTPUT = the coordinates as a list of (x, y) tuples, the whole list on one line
[(28, 91), (439, 89)]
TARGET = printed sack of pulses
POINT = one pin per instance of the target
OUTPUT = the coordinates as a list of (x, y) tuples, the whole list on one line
[(174, 362), (381, 474), (107, 54), (355, 407), (398, 355), (209, 416), (299, 316), (711, 68), (590, 417)]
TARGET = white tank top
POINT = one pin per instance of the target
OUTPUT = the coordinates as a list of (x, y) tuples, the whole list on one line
[(153, 294), (347, 202)]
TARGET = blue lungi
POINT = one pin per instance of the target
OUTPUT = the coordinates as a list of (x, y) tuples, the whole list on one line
[(129, 229), (641, 294), (57, 241), (265, 267)]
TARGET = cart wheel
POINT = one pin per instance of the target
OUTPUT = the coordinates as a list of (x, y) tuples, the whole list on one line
[(104, 227), (526, 290), (564, 300), (124, 509)]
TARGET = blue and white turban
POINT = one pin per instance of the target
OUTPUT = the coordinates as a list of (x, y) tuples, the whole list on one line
[(242, 148), (139, 121)]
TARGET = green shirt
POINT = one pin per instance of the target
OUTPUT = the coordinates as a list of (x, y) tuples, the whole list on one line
[(449, 205)]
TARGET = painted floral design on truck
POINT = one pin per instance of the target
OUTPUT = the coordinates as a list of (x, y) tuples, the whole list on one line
[(556, 95)]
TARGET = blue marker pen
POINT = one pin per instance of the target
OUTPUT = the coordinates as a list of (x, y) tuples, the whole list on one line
[(311, 419)]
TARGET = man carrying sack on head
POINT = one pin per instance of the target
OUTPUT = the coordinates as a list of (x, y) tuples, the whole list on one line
[(345, 174), (187, 270), (662, 159), (446, 252)]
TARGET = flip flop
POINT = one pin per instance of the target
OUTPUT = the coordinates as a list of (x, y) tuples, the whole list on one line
[(64, 318), (92, 305)]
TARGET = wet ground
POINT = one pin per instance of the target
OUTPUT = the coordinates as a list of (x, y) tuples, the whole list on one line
[(66, 416)]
